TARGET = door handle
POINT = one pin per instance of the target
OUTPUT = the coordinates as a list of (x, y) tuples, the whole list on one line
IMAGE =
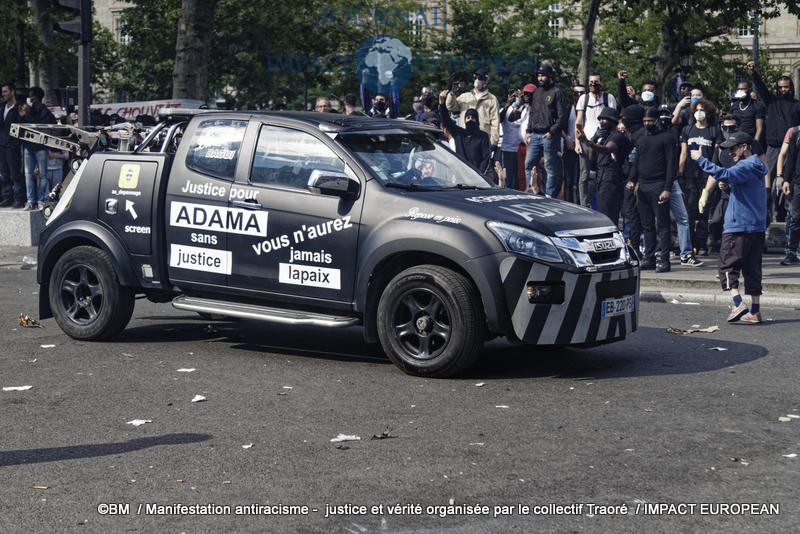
[(249, 204)]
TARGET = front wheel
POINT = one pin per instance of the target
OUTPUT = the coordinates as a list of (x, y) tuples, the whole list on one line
[(86, 297), (431, 321)]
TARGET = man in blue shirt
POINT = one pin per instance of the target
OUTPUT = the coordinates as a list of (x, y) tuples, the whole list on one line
[(745, 222)]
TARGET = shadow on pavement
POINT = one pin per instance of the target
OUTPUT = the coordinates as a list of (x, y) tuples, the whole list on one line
[(661, 354), (649, 352), (55, 454)]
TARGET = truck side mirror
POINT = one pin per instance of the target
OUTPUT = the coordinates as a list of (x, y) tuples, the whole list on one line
[(333, 183)]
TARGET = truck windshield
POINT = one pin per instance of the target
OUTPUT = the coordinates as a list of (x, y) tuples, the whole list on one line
[(406, 158)]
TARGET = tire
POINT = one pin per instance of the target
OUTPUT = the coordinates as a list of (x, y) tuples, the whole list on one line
[(86, 297), (431, 321)]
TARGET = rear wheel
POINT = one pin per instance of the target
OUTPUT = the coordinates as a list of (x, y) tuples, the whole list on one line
[(86, 297), (431, 321)]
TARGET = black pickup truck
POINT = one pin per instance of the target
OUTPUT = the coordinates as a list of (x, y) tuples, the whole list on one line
[(333, 221)]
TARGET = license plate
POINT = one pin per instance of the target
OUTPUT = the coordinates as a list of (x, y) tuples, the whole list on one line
[(612, 307)]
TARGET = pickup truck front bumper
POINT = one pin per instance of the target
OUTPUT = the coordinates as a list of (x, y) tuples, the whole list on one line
[(552, 306)]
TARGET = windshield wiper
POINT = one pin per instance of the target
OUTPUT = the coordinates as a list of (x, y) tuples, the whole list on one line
[(410, 187), (462, 186)]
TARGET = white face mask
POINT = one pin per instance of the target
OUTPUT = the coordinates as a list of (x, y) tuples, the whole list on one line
[(480, 85), (29, 102), (699, 115), (740, 94), (648, 96)]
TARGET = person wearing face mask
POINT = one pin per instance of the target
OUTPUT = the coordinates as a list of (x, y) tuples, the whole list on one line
[(751, 112), (609, 148), (632, 120), (783, 112), (377, 106), (715, 195), (653, 172), (549, 116), (471, 143), (588, 109), (35, 155), (12, 183), (791, 189), (647, 99), (744, 229), (682, 115), (705, 137), (481, 100)]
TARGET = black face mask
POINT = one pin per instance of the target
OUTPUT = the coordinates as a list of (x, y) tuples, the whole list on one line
[(728, 130), (428, 102), (380, 107), (651, 128)]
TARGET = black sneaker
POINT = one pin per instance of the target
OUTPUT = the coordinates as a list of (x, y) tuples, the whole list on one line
[(647, 265), (663, 267), (790, 259), (691, 261)]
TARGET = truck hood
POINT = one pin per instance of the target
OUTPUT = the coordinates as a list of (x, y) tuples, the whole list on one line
[(539, 213)]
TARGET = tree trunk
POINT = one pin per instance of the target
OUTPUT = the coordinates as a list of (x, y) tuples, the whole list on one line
[(47, 67), (192, 49), (664, 60), (587, 43), (20, 44)]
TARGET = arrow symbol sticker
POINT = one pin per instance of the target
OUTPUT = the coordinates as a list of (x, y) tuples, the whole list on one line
[(129, 207)]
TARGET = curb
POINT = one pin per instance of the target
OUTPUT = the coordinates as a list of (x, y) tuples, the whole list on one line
[(717, 298)]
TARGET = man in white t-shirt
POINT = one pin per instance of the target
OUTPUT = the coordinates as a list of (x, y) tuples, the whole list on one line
[(588, 109)]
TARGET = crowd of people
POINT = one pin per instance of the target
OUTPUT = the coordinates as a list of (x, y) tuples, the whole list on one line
[(714, 177)]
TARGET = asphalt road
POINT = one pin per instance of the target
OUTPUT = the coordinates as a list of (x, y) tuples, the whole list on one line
[(658, 419)]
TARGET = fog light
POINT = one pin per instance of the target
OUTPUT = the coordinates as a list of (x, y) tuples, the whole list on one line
[(546, 292)]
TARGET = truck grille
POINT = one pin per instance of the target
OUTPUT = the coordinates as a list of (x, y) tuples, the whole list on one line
[(593, 249)]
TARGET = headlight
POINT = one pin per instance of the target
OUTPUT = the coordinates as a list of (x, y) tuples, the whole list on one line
[(524, 241)]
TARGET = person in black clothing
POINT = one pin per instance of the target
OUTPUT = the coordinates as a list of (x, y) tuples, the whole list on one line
[(654, 171), (472, 143), (548, 118), (705, 136), (36, 155), (791, 186), (751, 112), (632, 120), (647, 98), (609, 149), (12, 183), (783, 112)]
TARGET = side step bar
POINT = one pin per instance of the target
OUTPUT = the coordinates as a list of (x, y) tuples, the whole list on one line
[(262, 313)]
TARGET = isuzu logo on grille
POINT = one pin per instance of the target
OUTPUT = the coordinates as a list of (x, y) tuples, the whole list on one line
[(604, 245)]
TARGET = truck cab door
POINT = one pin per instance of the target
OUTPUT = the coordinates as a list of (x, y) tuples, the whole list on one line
[(198, 219), (310, 249)]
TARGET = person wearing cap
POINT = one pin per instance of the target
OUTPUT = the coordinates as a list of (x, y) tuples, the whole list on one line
[(654, 170), (471, 143), (588, 109), (745, 223), (549, 117), (481, 100), (609, 148)]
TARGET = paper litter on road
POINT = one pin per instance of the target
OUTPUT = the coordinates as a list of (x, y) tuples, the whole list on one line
[(501, 406), (36, 486), (676, 301), (718, 348), (480, 384), (288, 387), (28, 322), (198, 398), (708, 330), (793, 415), (695, 326), (249, 445), (139, 422), (17, 388), (793, 455), (784, 419), (185, 370), (386, 434), (47, 346), (345, 437)]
